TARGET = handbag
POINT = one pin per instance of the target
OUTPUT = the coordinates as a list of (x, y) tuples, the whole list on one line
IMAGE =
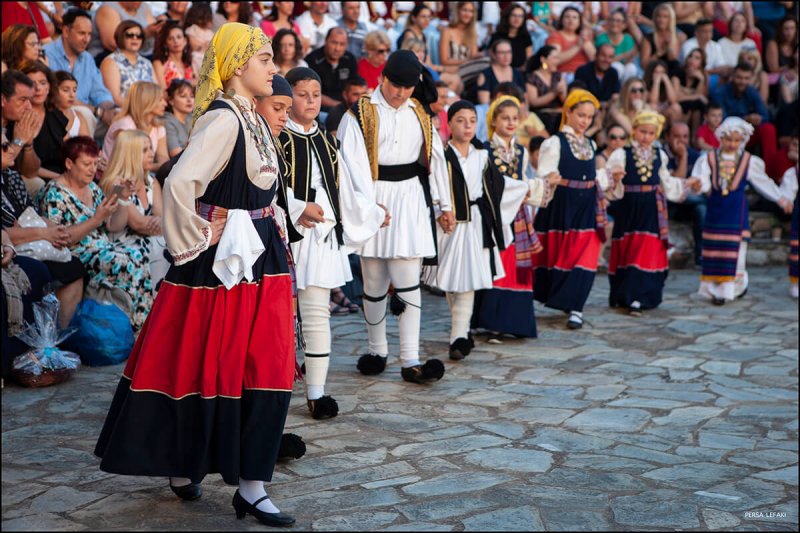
[(43, 250)]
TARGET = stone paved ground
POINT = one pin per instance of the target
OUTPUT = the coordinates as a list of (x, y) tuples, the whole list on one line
[(684, 419)]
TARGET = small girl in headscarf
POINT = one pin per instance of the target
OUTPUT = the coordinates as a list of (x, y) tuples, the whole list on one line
[(572, 226), (724, 173), (638, 265), (508, 306)]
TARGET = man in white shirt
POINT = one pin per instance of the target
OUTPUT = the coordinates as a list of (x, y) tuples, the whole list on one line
[(703, 33), (315, 23)]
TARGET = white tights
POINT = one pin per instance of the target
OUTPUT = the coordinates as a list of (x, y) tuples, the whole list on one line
[(461, 304), (402, 273)]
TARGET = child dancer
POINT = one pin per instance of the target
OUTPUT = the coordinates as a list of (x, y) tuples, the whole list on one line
[(507, 307), (724, 173), (572, 226), (638, 265), (350, 217), (789, 189), (485, 203)]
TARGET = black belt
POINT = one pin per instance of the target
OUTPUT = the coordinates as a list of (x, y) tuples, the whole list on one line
[(400, 172)]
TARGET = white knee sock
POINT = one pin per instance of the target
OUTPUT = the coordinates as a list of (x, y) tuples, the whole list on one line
[(254, 490), (461, 304), (316, 375), (405, 273), (376, 284)]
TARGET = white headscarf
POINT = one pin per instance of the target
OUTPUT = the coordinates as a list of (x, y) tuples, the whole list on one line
[(735, 125)]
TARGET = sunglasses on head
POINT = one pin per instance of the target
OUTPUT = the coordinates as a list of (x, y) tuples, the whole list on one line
[(132, 35)]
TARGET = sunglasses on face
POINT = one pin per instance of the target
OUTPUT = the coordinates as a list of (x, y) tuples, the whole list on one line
[(616, 137), (381, 50), (132, 35), (637, 90)]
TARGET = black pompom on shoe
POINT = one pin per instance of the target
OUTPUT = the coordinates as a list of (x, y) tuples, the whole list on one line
[(432, 370), (324, 407), (292, 447), (371, 364), (460, 348), (189, 492)]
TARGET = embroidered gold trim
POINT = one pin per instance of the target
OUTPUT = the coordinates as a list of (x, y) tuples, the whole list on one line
[(368, 118)]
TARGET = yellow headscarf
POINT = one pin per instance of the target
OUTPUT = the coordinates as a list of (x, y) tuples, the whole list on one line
[(575, 97), (651, 117), (493, 109), (232, 46)]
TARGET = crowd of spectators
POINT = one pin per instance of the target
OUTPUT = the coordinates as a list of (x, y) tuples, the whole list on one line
[(97, 96)]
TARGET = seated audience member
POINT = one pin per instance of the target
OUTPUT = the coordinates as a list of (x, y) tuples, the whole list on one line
[(706, 139), (24, 13), (108, 17), (417, 22), (615, 137), (142, 110), (75, 201), (632, 99), (198, 27), (512, 29), (354, 88), (662, 95), (24, 283), (459, 40), (288, 51), (178, 118), (690, 84), (681, 158), (175, 11), (499, 71), (20, 123), (438, 108), (137, 221), (625, 50), (356, 30), (51, 134), (703, 40), (69, 53), (241, 12), (376, 51), (780, 50), (315, 25), (21, 44), (126, 65), (735, 40), (759, 78), (689, 17), (600, 79), (545, 87), (665, 41), (788, 80), (280, 18), (172, 57), (15, 199), (573, 41), (61, 122), (740, 99), (334, 64)]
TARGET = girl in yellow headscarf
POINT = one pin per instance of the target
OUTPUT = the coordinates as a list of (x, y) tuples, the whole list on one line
[(572, 226), (506, 308), (638, 266), (207, 386)]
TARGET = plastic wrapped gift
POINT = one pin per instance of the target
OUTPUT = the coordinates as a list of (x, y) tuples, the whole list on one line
[(44, 364)]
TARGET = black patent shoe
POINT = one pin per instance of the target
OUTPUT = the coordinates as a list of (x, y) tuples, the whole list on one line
[(189, 492), (324, 407), (460, 348), (575, 321), (243, 508)]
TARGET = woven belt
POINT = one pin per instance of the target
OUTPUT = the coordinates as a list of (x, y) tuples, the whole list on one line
[(641, 188), (211, 212), (577, 184)]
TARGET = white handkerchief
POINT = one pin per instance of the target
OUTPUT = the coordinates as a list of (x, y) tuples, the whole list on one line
[(238, 249)]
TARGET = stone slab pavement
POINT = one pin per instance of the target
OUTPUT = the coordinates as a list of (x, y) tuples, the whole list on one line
[(686, 418)]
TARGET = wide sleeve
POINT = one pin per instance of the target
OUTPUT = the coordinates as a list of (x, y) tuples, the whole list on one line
[(789, 184), (362, 217), (353, 150), (549, 156), (674, 188), (616, 161), (757, 176), (702, 170), (208, 151), (296, 207), (439, 178), (540, 192)]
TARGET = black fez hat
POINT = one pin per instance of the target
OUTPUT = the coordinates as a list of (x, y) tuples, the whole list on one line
[(403, 68), (298, 74), (458, 106), (280, 87)]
